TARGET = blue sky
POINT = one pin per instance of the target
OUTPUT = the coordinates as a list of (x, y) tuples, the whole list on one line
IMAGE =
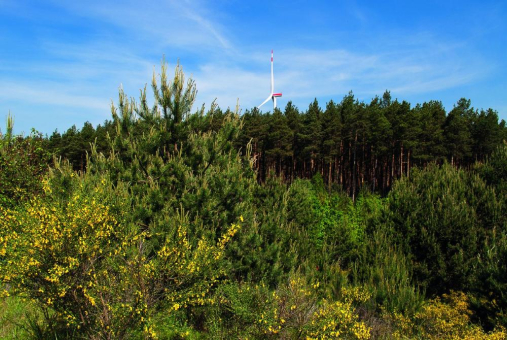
[(62, 62)]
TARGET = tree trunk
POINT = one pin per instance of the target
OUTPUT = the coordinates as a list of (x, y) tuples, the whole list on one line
[(408, 163), (401, 159)]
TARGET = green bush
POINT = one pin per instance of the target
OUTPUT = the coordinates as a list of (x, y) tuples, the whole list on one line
[(440, 218), (142, 232), (23, 162)]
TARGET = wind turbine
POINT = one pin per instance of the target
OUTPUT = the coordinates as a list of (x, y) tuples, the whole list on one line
[(272, 95)]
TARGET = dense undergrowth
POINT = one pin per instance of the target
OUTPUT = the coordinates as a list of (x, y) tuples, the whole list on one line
[(170, 235)]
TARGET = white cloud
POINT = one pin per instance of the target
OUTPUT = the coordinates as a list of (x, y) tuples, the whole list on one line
[(159, 24), (191, 11), (302, 74), (52, 94), (405, 64)]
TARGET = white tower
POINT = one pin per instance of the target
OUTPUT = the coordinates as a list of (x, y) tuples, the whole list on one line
[(272, 95)]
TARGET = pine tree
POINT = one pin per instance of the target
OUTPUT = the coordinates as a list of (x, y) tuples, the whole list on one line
[(310, 137), (293, 121), (379, 141), (457, 134), (331, 140), (486, 134), (431, 136), (440, 217), (279, 142)]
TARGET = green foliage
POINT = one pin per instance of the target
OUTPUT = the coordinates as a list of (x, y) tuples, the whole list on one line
[(451, 225), (331, 221), (457, 132), (494, 170), (440, 217), (75, 144), (263, 251), (23, 162), (387, 273)]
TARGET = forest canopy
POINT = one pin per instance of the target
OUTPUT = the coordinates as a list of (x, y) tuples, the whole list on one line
[(351, 144)]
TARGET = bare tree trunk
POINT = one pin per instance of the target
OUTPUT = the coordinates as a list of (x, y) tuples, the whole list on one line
[(375, 173), (408, 163), (401, 160), (340, 166), (329, 178), (392, 166)]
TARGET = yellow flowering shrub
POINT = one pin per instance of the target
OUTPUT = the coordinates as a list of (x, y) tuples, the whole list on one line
[(78, 256), (338, 319), (287, 310), (54, 251), (443, 318), (292, 311), (193, 271)]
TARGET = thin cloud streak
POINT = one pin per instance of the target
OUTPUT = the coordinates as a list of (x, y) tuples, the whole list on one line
[(305, 74), (50, 94), (191, 12), (159, 24)]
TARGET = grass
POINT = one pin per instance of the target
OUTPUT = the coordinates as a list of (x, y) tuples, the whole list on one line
[(15, 317)]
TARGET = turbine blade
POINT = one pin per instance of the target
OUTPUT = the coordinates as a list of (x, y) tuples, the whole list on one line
[(264, 102)]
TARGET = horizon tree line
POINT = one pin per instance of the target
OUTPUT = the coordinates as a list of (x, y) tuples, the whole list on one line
[(351, 144)]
